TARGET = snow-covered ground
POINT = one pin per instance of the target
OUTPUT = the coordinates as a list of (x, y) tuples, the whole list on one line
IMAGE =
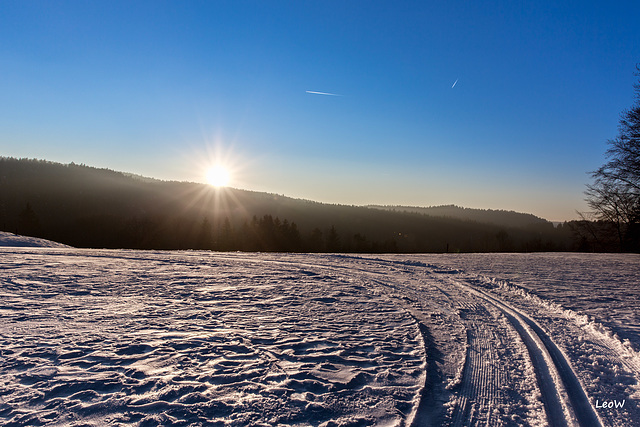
[(16, 240), (102, 337), (604, 286)]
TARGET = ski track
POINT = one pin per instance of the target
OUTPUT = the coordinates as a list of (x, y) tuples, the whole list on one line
[(95, 337)]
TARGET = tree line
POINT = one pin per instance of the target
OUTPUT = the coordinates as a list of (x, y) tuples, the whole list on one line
[(269, 234)]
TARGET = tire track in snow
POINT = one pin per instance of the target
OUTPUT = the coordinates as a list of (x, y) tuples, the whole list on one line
[(428, 409), (609, 366), (485, 377), (566, 401), (479, 394), (482, 377), (564, 397)]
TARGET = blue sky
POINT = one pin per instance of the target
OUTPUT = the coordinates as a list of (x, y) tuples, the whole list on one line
[(167, 88)]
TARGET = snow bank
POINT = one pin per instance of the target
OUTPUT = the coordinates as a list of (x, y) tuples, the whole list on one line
[(15, 240)]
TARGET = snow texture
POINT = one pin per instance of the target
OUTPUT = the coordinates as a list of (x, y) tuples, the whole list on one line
[(106, 337)]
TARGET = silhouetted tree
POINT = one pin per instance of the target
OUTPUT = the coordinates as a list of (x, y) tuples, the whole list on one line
[(333, 240), (205, 237), (615, 194), (28, 223), (290, 236), (594, 235), (316, 241), (360, 243), (504, 244), (248, 237), (266, 233), (139, 233), (226, 238)]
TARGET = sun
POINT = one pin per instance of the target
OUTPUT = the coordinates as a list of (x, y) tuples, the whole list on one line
[(218, 176)]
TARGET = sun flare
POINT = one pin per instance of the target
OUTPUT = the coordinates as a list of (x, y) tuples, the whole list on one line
[(218, 176)]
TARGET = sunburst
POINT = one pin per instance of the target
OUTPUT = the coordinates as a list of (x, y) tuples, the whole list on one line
[(218, 176)]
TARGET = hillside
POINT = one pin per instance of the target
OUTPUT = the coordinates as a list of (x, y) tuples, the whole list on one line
[(88, 207), (489, 216)]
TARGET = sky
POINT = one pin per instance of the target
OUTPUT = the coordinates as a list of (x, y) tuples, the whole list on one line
[(491, 104)]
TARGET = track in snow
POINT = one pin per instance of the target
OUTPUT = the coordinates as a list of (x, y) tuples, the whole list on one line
[(566, 402), (481, 394)]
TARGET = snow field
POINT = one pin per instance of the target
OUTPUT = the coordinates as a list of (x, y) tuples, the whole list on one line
[(95, 337), (132, 338)]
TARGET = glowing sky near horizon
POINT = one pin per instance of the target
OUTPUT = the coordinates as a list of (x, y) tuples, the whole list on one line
[(494, 104)]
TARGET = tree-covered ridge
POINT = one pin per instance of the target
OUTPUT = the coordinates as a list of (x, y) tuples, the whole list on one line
[(89, 207), (490, 216)]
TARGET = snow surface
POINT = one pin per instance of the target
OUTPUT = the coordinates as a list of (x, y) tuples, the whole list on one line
[(105, 337), (16, 240), (603, 286)]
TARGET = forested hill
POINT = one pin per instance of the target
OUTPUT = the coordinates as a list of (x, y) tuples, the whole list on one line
[(88, 207), (490, 216)]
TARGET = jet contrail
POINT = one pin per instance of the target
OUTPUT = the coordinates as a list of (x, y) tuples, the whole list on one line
[(455, 83), (322, 93)]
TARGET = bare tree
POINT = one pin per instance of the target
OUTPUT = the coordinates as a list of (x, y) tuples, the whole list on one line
[(614, 195)]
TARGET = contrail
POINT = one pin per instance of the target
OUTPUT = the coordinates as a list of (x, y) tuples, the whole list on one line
[(455, 83), (322, 93)]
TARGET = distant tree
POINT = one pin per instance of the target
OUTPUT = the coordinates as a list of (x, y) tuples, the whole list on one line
[(316, 241), (614, 195), (390, 246), (593, 235), (28, 222), (504, 242), (266, 232), (89, 207), (360, 243), (139, 233), (205, 237), (333, 240), (248, 237), (290, 236), (226, 239)]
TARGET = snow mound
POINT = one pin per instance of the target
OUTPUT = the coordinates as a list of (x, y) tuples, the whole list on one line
[(15, 240)]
